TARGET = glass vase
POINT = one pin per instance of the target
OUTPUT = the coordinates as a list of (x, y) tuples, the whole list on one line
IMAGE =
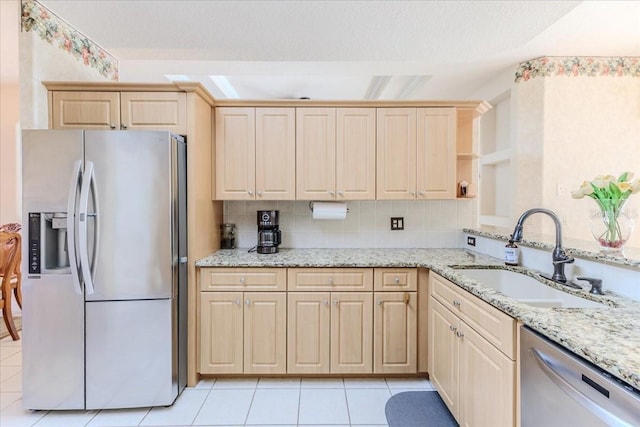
[(612, 224)]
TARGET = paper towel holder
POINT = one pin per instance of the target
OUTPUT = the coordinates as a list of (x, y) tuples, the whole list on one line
[(311, 207)]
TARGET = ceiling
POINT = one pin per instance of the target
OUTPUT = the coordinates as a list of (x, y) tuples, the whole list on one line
[(346, 49)]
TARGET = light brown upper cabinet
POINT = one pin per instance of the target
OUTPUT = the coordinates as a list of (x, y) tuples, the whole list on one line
[(335, 153), (416, 153), (255, 153), (119, 110)]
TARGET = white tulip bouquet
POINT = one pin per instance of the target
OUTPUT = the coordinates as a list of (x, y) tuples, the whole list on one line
[(611, 194)]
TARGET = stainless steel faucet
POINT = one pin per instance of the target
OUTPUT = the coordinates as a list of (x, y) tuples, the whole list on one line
[(559, 256)]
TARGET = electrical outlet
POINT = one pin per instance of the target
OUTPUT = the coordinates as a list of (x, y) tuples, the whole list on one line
[(397, 223), (471, 241)]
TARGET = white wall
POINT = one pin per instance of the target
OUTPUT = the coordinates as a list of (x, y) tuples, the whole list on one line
[(430, 224)]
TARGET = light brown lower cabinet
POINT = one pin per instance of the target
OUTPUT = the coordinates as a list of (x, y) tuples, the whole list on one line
[(473, 377), (395, 335), (243, 332), (329, 332)]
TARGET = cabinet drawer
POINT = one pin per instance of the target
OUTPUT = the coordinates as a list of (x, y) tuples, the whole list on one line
[(246, 279), (495, 326), (395, 279), (325, 279)]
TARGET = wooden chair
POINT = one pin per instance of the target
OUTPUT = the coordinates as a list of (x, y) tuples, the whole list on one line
[(10, 277)]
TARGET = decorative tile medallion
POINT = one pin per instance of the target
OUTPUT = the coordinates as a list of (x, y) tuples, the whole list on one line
[(37, 18), (573, 66)]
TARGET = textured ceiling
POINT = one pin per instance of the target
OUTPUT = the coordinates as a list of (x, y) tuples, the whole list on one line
[(335, 49)]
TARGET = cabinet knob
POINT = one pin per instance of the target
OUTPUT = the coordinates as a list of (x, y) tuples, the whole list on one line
[(413, 193), (242, 280), (237, 301), (396, 280), (331, 193), (459, 334), (330, 281), (259, 193), (325, 302), (452, 328), (250, 192), (123, 126), (340, 193), (112, 126), (456, 303), (335, 302), (422, 193), (379, 302), (247, 301)]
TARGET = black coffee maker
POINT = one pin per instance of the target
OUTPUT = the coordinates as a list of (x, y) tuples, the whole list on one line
[(269, 236)]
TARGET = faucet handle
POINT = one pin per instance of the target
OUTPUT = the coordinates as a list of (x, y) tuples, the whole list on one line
[(562, 258), (596, 285)]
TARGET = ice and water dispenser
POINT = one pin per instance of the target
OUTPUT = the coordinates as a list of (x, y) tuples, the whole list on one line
[(48, 250)]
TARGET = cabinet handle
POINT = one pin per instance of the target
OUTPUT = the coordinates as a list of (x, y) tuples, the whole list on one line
[(259, 193), (452, 328), (325, 302), (335, 302), (459, 334), (247, 301), (250, 192), (242, 280), (123, 126), (112, 126), (237, 301), (413, 193), (422, 193), (331, 193), (330, 281), (340, 193), (396, 280), (456, 303)]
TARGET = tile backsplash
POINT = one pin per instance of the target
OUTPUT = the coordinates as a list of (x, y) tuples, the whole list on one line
[(427, 224)]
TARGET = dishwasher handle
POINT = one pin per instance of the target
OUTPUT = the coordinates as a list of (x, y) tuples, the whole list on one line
[(577, 395)]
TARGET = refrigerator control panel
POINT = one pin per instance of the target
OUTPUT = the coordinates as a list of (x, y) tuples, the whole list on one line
[(34, 243)]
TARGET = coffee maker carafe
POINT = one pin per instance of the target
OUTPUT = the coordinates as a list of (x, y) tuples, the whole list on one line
[(269, 236)]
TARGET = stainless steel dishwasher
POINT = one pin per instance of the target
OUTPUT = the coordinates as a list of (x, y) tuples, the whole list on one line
[(558, 388)]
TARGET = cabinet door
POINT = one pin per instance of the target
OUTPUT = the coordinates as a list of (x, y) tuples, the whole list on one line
[(436, 153), (154, 111), (235, 153), (356, 153), (482, 368), (88, 110), (308, 317), (351, 332), (443, 354), (221, 332), (396, 153), (395, 336), (275, 154), (315, 153), (265, 332)]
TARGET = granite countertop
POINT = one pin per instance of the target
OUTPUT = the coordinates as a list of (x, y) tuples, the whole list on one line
[(609, 337), (586, 249)]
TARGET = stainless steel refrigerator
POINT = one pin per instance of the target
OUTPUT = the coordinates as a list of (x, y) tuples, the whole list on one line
[(104, 267)]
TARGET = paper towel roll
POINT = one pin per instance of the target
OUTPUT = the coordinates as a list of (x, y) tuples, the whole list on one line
[(329, 210)]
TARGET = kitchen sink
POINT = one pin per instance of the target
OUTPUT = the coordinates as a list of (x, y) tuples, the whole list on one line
[(527, 289)]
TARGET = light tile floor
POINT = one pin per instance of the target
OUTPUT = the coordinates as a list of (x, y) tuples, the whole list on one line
[(283, 402)]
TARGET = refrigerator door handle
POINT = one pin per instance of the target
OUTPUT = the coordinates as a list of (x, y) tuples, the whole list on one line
[(96, 226), (71, 226), (83, 241)]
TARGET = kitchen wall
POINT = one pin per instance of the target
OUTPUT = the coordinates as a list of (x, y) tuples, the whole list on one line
[(430, 224)]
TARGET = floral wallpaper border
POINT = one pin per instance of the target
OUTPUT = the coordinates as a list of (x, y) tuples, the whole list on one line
[(573, 66), (37, 18)]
